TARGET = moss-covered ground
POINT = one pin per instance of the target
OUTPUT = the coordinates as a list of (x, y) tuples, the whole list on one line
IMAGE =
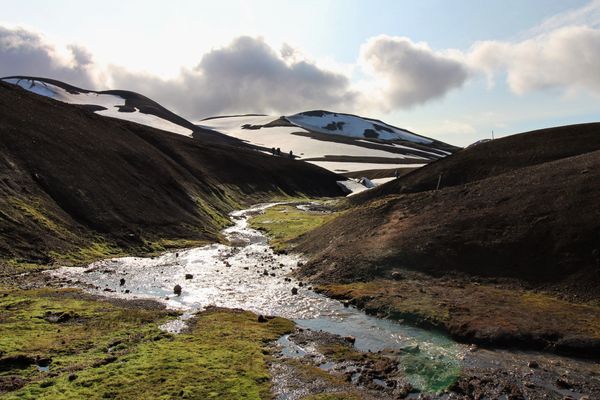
[(481, 313), (68, 345), (284, 223)]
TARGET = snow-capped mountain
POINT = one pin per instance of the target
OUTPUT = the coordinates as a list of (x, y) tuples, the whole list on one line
[(342, 143), (353, 126), (120, 104)]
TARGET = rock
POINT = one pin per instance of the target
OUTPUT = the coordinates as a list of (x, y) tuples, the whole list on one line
[(126, 291), (350, 339), (397, 276), (533, 364), (563, 383), (72, 377), (266, 273), (59, 317), (404, 390), (177, 290), (294, 290), (262, 319), (300, 284), (189, 276), (122, 282)]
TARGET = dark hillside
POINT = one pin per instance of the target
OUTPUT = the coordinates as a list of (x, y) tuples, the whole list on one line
[(539, 223), (494, 158), (75, 183)]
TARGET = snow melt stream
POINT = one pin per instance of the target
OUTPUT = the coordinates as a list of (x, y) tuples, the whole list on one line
[(249, 275)]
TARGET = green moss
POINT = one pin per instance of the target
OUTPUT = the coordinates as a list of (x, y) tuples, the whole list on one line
[(79, 341), (119, 352), (484, 310), (32, 209), (285, 223), (87, 254)]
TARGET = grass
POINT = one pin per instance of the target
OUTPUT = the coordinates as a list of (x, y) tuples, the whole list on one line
[(477, 312), (116, 351), (284, 223)]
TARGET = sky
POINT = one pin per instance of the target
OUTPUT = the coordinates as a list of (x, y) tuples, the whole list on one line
[(453, 70)]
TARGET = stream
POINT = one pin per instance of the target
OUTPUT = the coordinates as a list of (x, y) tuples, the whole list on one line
[(250, 276)]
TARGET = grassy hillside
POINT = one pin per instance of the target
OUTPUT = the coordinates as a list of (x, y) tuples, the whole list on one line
[(75, 185)]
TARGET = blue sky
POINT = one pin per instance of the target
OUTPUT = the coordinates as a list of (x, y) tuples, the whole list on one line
[(170, 44)]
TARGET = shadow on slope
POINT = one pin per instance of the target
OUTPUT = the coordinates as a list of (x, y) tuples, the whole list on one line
[(75, 184)]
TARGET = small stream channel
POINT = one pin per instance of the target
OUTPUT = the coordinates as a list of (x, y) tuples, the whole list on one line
[(250, 276)]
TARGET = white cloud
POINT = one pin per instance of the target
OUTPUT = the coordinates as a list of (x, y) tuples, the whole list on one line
[(245, 76), (566, 58), (24, 52), (411, 73), (587, 15), (248, 75)]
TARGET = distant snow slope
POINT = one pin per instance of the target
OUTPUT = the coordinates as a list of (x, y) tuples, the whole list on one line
[(338, 142), (353, 126), (110, 105)]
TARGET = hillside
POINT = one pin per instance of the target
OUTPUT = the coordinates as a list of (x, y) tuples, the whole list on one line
[(343, 143), (121, 104), (510, 257), (523, 206), (75, 185), (493, 158)]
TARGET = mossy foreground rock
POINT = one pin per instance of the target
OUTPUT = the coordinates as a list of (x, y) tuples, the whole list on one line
[(116, 350)]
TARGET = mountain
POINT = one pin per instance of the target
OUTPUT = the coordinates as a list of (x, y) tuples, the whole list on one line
[(343, 143), (348, 144), (121, 104), (74, 184)]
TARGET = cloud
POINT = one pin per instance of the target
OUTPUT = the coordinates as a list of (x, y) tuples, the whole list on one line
[(25, 52), (245, 76), (411, 73), (587, 15), (566, 58)]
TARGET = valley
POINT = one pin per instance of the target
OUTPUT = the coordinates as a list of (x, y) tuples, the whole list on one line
[(141, 259)]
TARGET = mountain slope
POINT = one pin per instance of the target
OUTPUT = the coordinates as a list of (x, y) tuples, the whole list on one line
[(75, 183), (494, 158), (342, 143), (506, 256), (121, 104), (535, 222)]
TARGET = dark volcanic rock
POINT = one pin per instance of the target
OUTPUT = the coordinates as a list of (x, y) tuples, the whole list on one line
[(177, 290)]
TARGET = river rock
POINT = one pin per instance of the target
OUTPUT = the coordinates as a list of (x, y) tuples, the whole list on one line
[(189, 276), (122, 282), (533, 364), (397, 276), (350, 339), (177, 290), (294, 290), (262, 319)]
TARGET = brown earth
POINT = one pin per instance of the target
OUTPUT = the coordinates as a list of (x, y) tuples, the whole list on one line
[(73, 183)]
